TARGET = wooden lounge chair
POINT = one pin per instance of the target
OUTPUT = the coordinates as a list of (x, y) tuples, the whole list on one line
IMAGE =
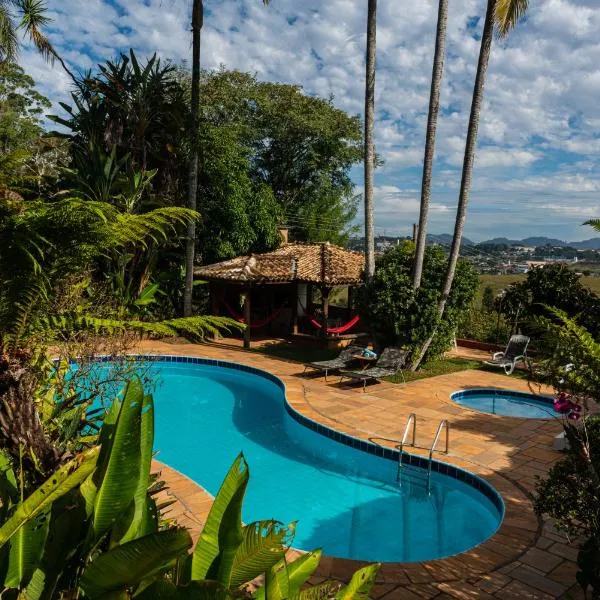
[(389, 363), (516, 351), (343, 360)]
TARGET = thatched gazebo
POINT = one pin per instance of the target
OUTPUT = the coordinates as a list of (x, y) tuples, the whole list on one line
[(274, 291)]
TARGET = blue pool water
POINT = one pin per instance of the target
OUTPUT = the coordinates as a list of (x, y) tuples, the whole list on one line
[(345, 501), (506, 403)]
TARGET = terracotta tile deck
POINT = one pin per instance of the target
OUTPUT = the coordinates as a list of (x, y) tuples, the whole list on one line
[(524, 559)]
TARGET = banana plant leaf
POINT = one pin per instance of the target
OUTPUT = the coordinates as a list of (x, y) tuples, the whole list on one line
[(323, 591), (26, 548), (138, 521), (360, 585), (217, 530), (117, 478), (9, 492), (264, 544), (297, 573), (65, 479), (277, 582), (195, 590), (67, 528), (230, 539), (126, 566), (301, 569)]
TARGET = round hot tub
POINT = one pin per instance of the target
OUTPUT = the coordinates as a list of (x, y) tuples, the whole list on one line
[(506, 403)]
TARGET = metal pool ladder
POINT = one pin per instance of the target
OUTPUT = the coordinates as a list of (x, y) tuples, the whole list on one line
[(443, 423), (412, 420)]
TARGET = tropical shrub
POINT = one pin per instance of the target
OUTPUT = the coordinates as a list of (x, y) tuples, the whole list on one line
[(93, 529), (551, 285), (398, 316), (570, 494), (483, 325)]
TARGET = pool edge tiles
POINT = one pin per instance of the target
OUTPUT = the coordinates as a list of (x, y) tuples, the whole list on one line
[(442, 468)]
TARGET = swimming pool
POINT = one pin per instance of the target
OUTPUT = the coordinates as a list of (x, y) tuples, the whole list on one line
[(346, 500), (506, 403)]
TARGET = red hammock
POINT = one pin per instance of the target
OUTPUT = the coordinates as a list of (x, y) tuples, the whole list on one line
[(342, 329), (253, 324)]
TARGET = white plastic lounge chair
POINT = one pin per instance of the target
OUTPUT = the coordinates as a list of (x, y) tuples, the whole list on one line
[(343, 360), (389, 363), (516, 351)]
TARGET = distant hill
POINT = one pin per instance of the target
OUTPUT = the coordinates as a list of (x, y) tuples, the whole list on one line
[(540, 241), (445, 239), (591, 244), (501, 241), (543, 241)]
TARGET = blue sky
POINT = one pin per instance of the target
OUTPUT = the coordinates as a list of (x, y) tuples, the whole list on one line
[(537, 170)]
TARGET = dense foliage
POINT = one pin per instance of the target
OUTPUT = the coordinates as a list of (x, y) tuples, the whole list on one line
[(551, 285), (484, 321), (398, 316), (570, 493), (268, 153), (28, 157), (300, 147)]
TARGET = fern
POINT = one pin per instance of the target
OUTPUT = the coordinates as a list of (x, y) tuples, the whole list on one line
[(200, 327)]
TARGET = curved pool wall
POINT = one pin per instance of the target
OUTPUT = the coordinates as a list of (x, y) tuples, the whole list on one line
[(341, 489), (506, 403)]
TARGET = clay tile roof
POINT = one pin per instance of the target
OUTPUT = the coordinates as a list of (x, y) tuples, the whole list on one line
[(309, 263)]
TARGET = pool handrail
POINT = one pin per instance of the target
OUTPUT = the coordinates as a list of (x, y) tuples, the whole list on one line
[(412, 418), (443, 423)]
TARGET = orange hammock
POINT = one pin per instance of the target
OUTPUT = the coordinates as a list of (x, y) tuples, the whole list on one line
[(342, 329), (253, 324)]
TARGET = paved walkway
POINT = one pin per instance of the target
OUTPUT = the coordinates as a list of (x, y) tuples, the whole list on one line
[(525, 559)]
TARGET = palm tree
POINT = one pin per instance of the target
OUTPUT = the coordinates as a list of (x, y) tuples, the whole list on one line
[(504, 15), (434, 106), (197, 22), (29, 16), (369, 159)]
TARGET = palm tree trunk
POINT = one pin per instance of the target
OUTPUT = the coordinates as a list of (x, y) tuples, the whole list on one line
[(369, 159), (197, 22), (434, 107), (467, 171)]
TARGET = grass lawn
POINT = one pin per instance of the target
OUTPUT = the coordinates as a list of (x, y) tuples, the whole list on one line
[(433, 368)]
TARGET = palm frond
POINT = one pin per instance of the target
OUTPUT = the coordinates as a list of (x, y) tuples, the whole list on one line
[(33, 19), (9, 44), (508, 15), (198, 328), (595, 223)]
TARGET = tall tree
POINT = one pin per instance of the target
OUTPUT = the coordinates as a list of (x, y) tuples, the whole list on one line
[(190, 245), (369, 159), (504, 15), (434, 107), (197, 22)]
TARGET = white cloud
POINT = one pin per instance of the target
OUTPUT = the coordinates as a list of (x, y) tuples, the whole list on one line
[(541, 108)]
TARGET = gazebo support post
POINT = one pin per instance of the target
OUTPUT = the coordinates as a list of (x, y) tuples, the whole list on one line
[(350, 299), (294, 300), (214, 297), (325, 308), (247, 319)]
